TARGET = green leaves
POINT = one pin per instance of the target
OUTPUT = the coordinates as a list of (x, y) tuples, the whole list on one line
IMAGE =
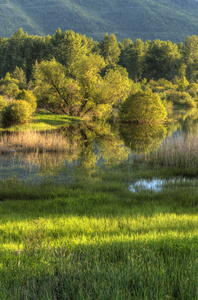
[(143, 107), (82, 93), (16, 113)]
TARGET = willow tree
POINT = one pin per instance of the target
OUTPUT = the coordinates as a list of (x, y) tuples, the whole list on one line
[(143, 107), (86, 92)]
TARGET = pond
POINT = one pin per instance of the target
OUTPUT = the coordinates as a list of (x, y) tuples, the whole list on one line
[(64, 154)]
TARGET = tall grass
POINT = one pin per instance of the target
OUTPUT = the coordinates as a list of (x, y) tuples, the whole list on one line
[(180, 152), (33, 141)]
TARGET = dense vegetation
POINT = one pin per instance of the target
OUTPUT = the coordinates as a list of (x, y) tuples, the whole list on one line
[(166, 20), (151, 59), (74, 75), (75, 220)]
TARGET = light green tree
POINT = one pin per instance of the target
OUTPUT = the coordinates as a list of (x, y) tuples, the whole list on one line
[(109, 49), (143, 107), (86, 92), (9, 86), (19, 74), (29, 97)]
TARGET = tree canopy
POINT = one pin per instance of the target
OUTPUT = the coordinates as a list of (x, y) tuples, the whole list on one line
[(86, 92)]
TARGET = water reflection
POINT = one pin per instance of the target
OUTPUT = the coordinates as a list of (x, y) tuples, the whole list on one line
[(154, 185), (96, 144), (89, 146), (144, 137), (86, 145), (182, 122)]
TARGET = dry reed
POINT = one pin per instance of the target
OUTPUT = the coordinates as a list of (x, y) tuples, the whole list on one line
[(33, 141), (179, 152)]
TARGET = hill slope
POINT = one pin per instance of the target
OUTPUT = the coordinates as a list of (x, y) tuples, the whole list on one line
[(145, 19)]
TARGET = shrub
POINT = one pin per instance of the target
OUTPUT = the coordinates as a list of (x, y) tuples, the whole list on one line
[(192, 90), (29, 97), (16, 113), (143, 107), (181, 98)]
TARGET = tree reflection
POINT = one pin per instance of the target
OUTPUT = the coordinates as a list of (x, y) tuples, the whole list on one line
[(142, 138), (86, 145), (184, 121), (95, 144)]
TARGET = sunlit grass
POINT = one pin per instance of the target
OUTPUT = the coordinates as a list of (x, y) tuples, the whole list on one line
[(43, 120), (94, 239)]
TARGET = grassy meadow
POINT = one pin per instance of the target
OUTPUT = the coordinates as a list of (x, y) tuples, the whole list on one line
[(92, 238)]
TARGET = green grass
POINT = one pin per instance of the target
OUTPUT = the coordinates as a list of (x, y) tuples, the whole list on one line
[(43, 120), (94, 239)]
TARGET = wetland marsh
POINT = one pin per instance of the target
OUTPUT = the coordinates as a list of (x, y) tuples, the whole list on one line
[(80, 221)]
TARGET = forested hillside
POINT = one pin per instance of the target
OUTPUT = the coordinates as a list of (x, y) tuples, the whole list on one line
[(145, 19)]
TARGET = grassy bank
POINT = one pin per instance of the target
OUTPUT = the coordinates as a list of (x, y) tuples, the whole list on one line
[(44, 120), (94, 239)]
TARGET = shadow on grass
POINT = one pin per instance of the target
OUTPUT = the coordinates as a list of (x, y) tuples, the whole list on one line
[(53, 119), (111, 270)]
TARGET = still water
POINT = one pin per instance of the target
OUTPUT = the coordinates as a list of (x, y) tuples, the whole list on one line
[(60, 154)]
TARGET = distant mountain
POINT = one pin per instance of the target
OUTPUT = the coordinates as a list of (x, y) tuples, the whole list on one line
[(145, 19)]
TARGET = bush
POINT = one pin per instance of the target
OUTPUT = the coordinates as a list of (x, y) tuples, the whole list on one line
[(143, 107), (9, 86), (16, 113), (29, 97), (181, 99), (160, 86)]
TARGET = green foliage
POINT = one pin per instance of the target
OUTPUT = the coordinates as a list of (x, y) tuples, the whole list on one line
[(19, 74), (181, 99), (3, 103), (55, 91), (143, 107), (182, 84), (152, 60), (192, 90), (191, 57), (29, 97), (9, 86), (162, 60), (136, 60), (17, 112), (69, 47), (109, 49), (86, 92), (161, 85)]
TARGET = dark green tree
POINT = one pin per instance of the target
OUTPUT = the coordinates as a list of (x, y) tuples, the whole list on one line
[(191, 57), (163, 60)]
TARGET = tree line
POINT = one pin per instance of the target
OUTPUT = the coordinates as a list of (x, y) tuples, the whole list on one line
[(74, 75), (151, 59)]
